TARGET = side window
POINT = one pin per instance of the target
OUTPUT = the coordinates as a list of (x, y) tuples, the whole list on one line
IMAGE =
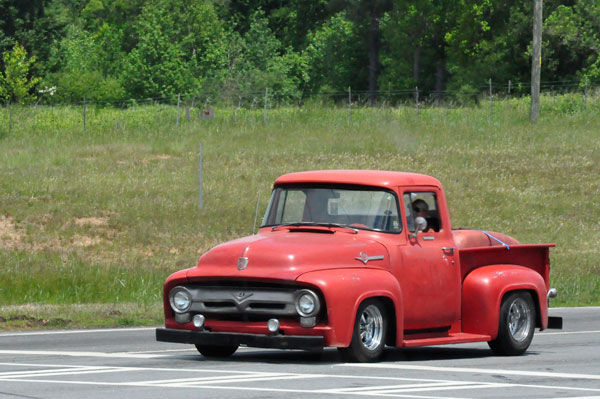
[(422, 204)]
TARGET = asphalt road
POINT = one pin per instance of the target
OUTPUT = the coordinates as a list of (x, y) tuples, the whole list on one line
[(130, 363)]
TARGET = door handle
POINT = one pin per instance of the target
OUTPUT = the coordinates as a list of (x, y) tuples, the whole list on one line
[(448, 250)]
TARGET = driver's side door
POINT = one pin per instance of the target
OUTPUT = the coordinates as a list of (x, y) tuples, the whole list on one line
[(429, 273)]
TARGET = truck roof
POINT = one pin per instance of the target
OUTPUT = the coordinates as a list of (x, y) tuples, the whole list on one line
[(359, 177)]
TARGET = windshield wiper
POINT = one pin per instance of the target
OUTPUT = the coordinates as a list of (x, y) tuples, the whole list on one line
[(320, 224)]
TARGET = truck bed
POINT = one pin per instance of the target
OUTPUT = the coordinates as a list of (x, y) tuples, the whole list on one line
[(534, 256)]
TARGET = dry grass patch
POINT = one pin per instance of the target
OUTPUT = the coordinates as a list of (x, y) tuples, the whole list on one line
[(10, 237), (91, 221)]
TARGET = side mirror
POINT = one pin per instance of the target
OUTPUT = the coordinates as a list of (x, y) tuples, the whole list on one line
[(420, 223)]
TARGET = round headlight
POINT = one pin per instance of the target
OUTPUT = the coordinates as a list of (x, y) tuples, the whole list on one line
[(307, 303), (181, 300)]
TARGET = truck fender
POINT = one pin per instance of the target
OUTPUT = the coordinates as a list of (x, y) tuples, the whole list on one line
[(345, 289), (484, 288)]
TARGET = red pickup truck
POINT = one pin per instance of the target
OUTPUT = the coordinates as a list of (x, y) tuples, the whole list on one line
[(360, 259)]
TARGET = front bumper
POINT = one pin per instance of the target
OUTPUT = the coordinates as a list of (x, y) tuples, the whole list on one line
[(254, 340)]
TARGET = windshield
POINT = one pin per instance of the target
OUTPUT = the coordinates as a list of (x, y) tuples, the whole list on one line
[(360, 207)]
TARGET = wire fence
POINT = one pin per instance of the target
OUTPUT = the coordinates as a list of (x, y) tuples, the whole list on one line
[(201, 106)]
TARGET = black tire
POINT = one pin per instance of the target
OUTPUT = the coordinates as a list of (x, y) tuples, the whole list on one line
[(369, 333), (217, 350), (516, 325)]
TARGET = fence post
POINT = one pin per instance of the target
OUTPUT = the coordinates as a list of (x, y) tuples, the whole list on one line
[(84, 115), (586, 94), (417, 98), (350, 100), (447, 109), (491, 100), (200, 182), (265, 111), (9, 116), (237, 109), (509, 83), (178, 102)]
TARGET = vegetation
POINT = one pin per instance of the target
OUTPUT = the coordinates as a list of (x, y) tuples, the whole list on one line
[(92, 223), (117, 50)]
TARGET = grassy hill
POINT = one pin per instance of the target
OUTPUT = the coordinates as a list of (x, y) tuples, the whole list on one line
[(92, 222)]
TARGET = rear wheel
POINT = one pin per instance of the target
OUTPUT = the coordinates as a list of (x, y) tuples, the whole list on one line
[(516, 325), (217, 350), (369, 333)]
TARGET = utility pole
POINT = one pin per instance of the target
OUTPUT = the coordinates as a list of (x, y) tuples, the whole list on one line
[(536, 61)]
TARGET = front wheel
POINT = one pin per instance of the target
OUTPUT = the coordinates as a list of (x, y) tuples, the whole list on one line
[(217, 350), (369, 333), (516, 325)]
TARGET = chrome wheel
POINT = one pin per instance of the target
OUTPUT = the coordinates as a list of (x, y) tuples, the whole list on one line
[(516, 324), (371, 327), (369, 333), (519, 320)]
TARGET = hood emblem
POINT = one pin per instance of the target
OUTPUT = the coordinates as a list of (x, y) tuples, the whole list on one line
[(364, 258), (241, 295), (242, 263)]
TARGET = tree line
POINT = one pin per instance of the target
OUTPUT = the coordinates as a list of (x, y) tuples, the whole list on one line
[(112, 50)]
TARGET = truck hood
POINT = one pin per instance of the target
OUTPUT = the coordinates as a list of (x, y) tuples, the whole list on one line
[(288, 254)]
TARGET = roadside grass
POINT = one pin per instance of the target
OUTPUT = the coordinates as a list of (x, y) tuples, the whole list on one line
[(91, 223)]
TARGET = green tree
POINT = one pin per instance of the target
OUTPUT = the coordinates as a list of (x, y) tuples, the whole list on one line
[(333, 52), (408, 55), (572, 41), (90, 64), (15, 83), (33, 25), (367, 14), (290, 20), (257, 60), (180, 44)]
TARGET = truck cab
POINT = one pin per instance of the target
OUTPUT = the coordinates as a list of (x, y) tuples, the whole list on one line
[(358, 260)]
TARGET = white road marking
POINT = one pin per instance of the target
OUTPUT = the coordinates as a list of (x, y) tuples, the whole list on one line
[(39, 372), (409, 390), (162, 351), (234, 388), (582, 397), (59, 332), (541, 334), (53, 373), (396, 388), (443, 388), (473, 371), (124, 355), (237, 380), (245, 376)]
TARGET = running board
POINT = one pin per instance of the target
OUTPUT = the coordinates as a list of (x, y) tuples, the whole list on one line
[(434, 339)]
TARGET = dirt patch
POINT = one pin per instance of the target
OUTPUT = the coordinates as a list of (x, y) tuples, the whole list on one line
[(160, 157), (30, 321), (85, 241), (148, 252), (91, 221), (10, 237)]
